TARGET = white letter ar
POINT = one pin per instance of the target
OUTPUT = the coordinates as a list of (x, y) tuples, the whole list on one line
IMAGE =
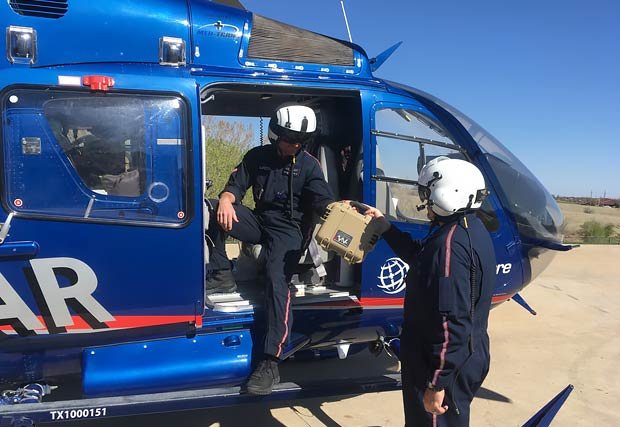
[(15, 308), (82, 290)]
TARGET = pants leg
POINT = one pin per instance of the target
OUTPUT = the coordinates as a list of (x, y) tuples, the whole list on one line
[(460, 395), (283, 248), (246, 230), (470, 378), (413, 403)]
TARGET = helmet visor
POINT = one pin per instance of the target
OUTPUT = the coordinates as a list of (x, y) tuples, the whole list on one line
[(290, 136)]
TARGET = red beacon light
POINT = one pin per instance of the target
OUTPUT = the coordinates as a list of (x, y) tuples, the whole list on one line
[(98, 82)]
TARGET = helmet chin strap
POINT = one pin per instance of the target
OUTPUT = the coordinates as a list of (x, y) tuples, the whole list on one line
[(471, 201)]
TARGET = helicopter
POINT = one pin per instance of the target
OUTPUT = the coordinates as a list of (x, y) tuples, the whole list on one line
[(106, 112)]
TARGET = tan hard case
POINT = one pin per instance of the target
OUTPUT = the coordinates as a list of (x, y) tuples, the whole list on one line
[(349, 233)]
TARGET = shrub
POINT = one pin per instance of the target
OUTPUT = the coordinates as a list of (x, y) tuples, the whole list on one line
[(588, 210), (595, 232)]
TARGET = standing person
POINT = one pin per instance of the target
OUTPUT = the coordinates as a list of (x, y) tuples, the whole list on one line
[(444, 342), (287, 184)]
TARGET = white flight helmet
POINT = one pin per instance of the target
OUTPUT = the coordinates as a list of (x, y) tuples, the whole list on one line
[(292, 123), (450, 186)]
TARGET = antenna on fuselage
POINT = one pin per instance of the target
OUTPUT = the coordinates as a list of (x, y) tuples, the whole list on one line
[(346, 21)]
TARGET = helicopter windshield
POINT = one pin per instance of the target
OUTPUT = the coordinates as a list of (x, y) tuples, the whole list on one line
[(537, 214)]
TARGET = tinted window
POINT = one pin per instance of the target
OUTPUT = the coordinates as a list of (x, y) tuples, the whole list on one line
[(103, 156), (103, 138)]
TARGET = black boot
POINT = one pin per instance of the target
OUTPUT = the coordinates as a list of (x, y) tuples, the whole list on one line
[(220, 282), (264, 377)]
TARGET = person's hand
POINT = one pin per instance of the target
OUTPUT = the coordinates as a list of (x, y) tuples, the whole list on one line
[(226, 214), (374, 212), (367, 208), (433, 402)]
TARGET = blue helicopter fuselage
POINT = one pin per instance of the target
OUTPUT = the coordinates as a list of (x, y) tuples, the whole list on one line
[(102, 267)]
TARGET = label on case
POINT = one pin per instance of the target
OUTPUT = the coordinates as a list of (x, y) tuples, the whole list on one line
[(343, 239)]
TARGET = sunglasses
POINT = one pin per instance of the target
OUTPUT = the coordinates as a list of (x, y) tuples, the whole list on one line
[(286, 141)]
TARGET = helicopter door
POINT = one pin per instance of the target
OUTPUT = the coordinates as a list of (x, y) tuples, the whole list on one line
[(404, 137), (103, 233)]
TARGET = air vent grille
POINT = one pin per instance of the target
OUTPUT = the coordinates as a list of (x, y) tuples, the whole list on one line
[(53, 9), (281, 42)]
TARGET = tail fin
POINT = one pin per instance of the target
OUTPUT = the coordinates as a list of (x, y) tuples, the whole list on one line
[(544, 417)]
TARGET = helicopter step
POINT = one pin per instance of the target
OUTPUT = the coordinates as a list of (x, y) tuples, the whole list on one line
[(228, 303), (238, 303)]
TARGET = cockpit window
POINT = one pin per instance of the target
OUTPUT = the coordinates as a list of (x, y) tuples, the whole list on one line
[(405, 141), (537, 214)]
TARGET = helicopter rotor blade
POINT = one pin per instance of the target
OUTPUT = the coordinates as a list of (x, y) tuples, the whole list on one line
[(231, 3)]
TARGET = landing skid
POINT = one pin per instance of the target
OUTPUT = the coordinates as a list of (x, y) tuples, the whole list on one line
[(27, 415)]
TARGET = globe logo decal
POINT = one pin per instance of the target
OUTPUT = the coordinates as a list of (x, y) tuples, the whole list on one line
[(393, 274)]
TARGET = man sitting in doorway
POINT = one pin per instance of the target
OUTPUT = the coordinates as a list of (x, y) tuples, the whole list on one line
[(287, 184)]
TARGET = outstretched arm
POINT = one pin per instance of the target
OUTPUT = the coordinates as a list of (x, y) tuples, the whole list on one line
[(403, 245)]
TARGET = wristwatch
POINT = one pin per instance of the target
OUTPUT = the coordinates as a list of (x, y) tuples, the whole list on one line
[(432, 387)]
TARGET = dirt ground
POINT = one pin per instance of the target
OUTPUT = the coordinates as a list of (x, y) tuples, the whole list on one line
[(574, 339)]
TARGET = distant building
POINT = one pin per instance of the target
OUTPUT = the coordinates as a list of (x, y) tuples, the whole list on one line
[(590, 201)]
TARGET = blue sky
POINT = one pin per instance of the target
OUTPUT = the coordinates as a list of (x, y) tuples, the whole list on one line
[(542, 76)]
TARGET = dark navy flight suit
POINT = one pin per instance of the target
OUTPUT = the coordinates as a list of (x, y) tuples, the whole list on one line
[(271, 225), (444, 342)]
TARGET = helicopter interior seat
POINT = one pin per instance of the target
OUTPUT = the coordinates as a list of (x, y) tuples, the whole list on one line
[(56, 127), (314, 256)]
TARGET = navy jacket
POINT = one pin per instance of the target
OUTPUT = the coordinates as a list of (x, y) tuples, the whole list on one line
[(438, 326), (264, 171)]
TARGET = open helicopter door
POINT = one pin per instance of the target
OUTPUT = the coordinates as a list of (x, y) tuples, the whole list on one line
[(405, 135), (105, 230)]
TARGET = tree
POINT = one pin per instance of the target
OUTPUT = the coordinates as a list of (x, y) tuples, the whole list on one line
[(226, 143)]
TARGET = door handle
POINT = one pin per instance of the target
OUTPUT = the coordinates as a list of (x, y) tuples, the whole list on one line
[(19, 250), (232, 341)]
